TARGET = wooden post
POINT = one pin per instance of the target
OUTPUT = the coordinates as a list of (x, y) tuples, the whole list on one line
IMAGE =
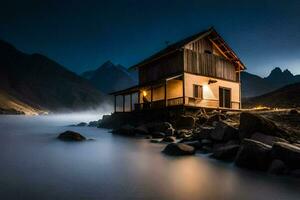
[(123, 103), (183, 89), (165, 93), (115, 105), (130, 102)]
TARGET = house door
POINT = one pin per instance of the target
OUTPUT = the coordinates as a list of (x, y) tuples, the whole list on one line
[(224, 97)]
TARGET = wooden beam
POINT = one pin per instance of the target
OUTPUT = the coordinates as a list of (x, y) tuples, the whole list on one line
[(165, 93), (183, 89), (115, 103), (123, 103), (130, 102)]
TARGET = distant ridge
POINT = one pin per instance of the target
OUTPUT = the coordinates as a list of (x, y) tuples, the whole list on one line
[(42, 84), (253, 85), (285, 97), (110, 77)]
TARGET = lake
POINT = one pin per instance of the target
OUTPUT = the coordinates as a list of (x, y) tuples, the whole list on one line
[(35, 165)]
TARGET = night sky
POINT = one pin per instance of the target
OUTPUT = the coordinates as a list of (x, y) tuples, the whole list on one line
[(81, 35)]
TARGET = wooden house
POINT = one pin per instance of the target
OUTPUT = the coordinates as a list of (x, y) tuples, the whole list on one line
[(200, 71)]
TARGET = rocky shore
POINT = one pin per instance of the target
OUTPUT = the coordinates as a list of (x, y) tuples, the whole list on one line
[(267, 141)]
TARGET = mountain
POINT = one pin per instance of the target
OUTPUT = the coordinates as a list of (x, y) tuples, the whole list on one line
[(110, 77), (286, 97), (253, 85), (39, 83)]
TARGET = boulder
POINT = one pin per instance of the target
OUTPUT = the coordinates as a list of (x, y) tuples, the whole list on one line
[(82, 124), (288, 153), (93, 124), (185, 122), (127, 130), (266, 139), (293, 112), (205, 132), (179, 149), (170, 131), (71, 136), (224, 132), (169, 139), (201, 119), (295, 173), (157, 134), (142, 129), (251, 123), (158, 126), (277, 167), (196, 144), (215, 118), (183, 133), (253, 155), (226, 152)]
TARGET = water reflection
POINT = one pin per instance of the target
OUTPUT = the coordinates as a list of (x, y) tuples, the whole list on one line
[(34, 165)]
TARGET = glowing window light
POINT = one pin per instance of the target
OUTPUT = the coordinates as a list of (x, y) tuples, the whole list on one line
[(144, 93)]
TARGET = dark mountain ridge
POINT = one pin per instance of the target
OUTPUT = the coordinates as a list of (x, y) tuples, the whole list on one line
[(253, 85), (42, 83), (285, 97), (110, 77)]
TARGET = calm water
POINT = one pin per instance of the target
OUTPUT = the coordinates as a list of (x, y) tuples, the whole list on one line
[(34, 165)]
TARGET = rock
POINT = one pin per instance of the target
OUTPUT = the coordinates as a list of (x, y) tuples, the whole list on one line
[(196, 144), (288, 153), (266, 139), (169, 139), (148, 137), (158, 126), (155, 141), (295, 173), (93, 123), (205, 132), (157, 134), (251, 123), (71, 136), (253, 155), (142, 129), (277, 167), (293, 112), (215, 118), (82, 124), (224, 132), (185, 122), (226, 152), (170, 131), (201, 119), (206, 142), (183, 133), (127, 130), (179, 149)]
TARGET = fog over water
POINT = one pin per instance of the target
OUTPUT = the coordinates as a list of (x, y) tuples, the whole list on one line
[(35, 165)]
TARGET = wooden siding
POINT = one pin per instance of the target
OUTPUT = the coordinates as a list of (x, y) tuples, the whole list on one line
[(161, 68), (208, 65)]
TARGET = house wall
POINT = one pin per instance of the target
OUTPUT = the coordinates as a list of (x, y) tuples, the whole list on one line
[(163, 67), (201, 57), (210, 92), (174, 89)]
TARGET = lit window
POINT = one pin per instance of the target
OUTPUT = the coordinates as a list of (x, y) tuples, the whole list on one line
[(198, 91)]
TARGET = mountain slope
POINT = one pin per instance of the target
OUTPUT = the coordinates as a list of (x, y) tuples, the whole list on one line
[(110, 77), (287, 96), (41, 83), (253, 85)]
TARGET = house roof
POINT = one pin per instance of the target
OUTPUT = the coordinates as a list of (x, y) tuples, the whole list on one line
[(214, 37)]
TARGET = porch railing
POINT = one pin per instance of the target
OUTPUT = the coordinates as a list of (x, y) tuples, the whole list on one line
[(159, 104)]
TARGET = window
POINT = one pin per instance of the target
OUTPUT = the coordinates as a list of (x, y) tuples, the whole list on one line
[(198, 92)]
